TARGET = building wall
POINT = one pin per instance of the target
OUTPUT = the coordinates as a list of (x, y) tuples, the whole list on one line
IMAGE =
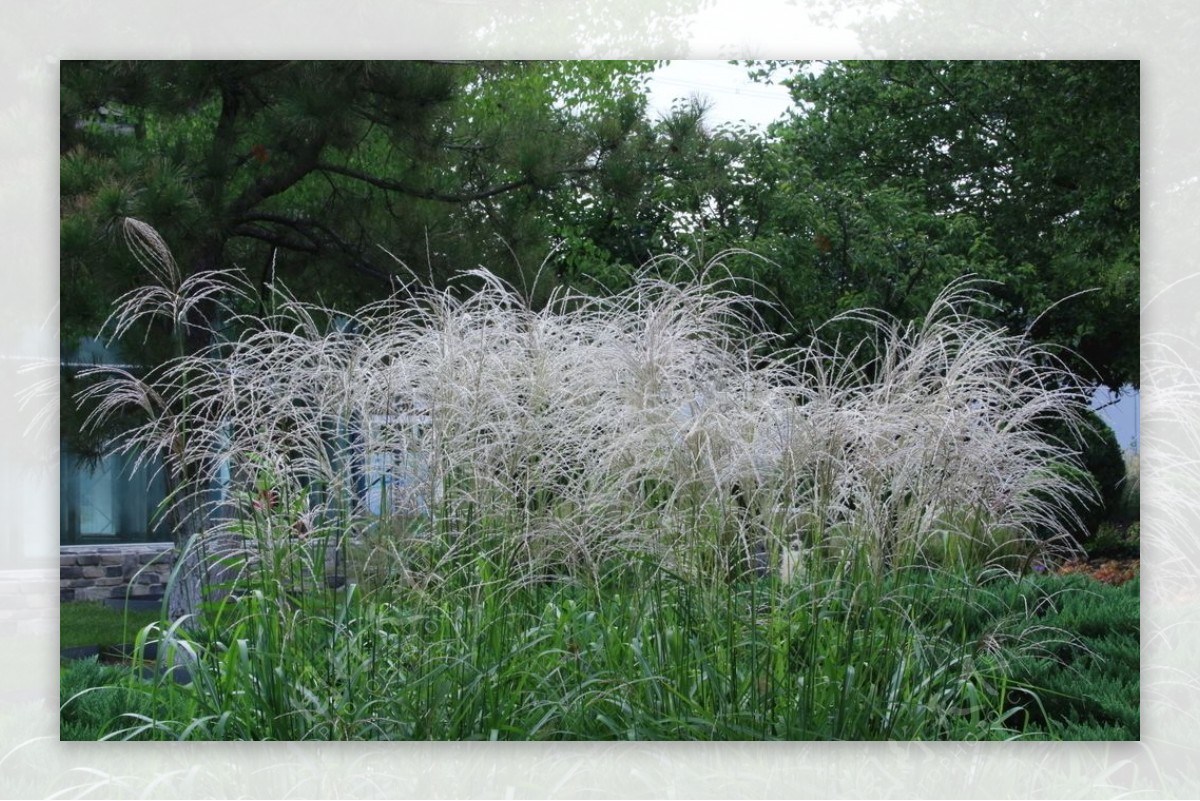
[(110, 499), (100, 572)]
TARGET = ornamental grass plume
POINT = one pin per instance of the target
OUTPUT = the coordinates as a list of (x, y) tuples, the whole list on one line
[(932, 446), (659, 425), (636, 503)]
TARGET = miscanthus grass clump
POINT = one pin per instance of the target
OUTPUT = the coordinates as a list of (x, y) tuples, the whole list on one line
[(453, 515)]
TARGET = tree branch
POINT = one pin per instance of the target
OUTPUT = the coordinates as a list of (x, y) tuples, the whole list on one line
[(423, 194), (445, 197), (272, 238), (271, 185), (321, 240)]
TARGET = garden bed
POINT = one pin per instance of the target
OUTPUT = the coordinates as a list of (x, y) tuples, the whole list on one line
[(1114, 571)]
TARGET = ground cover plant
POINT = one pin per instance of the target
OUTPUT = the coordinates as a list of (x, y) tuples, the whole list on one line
[(94, 697), (451, 515), (1087, 684)]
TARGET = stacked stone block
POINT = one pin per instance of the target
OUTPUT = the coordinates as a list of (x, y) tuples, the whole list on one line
[(101, 572)]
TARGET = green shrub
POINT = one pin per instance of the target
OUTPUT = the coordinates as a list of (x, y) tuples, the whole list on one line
[(1078, 667), (1102, 469), (1127, 510), (1114, 542), (93, 699)]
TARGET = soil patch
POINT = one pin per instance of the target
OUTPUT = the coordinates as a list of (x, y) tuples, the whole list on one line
[(1107, 570)]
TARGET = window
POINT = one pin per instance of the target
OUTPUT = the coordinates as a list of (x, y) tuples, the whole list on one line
[(106, 501)]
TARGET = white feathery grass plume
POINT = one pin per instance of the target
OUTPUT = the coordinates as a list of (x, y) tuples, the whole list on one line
[(652, 421), (169, 294)]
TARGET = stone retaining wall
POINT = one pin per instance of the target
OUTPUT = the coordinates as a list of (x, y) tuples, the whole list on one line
[(101, 572)]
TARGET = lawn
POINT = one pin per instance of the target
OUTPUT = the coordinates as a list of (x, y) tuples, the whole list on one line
[(85, 623)]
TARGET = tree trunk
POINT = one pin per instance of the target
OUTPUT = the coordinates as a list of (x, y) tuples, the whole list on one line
[(195, 547)]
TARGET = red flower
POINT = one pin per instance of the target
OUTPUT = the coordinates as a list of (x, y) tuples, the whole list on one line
[(266, 500)]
